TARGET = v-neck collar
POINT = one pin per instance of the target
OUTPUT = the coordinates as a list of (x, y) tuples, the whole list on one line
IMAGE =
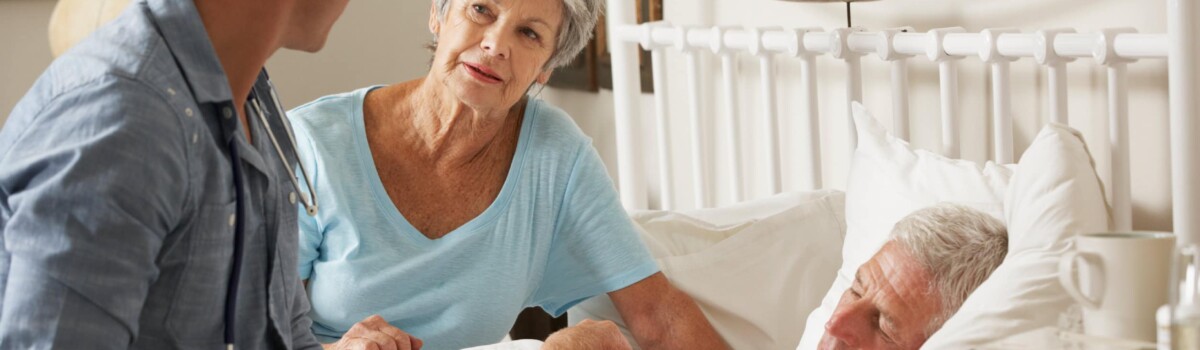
[(388, 208)]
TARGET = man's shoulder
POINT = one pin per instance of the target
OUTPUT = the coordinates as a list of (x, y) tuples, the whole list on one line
[(124, 70), (128, 47), (123, 65)]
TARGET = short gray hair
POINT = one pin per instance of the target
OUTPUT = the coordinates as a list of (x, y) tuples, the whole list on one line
[(959, 246), (579, 18)]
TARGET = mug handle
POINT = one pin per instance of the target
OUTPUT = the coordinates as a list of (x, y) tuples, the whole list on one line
[(1067, 277)]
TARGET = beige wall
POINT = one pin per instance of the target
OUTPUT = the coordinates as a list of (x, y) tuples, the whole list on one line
[(24, 48), (375, 42)]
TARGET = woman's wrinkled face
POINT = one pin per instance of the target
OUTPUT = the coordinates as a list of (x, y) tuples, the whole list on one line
[(490, 51)]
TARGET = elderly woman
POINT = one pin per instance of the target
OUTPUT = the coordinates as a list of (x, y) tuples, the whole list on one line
[(452, 202)]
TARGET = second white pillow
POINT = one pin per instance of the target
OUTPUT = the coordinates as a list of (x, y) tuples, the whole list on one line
[(755, 272), (1055, 195)]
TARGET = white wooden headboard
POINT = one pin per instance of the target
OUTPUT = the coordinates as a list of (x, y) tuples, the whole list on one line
[(1051, 48)]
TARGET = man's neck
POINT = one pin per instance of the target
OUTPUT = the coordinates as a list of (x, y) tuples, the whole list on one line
[(244, 35)]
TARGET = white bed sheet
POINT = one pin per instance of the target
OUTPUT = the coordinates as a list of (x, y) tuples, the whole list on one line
[(523, 344)]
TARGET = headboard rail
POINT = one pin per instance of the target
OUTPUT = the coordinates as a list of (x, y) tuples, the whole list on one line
[(1112, 48)]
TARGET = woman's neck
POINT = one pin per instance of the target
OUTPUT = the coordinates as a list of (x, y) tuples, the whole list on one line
[(449, 132)]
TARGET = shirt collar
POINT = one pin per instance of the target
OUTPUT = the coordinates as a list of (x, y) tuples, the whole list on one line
[(180, 26)]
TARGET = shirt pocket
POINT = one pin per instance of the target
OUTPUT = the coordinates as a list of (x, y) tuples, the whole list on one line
[(198, 310)]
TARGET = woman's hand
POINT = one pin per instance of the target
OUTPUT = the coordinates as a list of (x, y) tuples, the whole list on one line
[(588, 334), (374, 333)]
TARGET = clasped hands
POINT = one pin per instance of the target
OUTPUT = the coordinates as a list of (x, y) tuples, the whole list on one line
[(374, 333)]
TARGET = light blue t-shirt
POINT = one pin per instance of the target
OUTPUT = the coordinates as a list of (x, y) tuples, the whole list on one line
[(555, 235)]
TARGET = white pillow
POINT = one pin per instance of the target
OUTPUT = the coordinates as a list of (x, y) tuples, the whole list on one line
[(889, 180), (1054, 195), (755, 275)]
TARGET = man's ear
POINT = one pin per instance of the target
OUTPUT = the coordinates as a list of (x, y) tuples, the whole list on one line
[(434, 24), (545, 76)]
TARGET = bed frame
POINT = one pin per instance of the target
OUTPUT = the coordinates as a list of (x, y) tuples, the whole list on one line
[(1113, 49)]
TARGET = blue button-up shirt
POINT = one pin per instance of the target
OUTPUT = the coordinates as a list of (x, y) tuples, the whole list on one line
[(117, 199)]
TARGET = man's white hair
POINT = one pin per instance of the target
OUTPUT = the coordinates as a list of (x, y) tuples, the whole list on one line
[(959, 247), (579, 18)]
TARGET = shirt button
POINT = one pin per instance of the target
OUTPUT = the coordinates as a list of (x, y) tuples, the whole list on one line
[(195, 137), (232, 219), (228, 112), (171, 91), (189, 112), (292, 197)]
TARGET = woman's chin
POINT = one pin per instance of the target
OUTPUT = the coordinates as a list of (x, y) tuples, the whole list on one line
[(481, 97), (479, 102)]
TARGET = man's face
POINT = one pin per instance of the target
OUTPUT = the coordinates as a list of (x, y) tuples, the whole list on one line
[(890, 305)]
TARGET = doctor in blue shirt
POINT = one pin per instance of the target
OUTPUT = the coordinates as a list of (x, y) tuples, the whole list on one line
[(120, 225)]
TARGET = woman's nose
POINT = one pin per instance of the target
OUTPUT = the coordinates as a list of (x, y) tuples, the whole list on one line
[(495, 44)]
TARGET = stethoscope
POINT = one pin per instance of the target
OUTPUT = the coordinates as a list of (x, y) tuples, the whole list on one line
[(310, 202)]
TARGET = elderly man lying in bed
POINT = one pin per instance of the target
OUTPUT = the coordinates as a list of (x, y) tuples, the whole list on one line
[(933, 260)]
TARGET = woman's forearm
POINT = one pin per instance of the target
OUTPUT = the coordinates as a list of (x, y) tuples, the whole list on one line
[(680, 325), (663, 317)]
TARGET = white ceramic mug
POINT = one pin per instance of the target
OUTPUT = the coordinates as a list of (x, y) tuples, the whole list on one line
[(1126, 277)]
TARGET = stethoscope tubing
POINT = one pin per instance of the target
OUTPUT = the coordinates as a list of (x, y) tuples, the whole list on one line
[(310, 204), (239, 230)]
